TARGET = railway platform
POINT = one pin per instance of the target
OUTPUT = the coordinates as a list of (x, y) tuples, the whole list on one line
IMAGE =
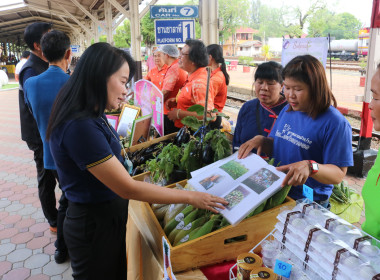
[(26, 243)]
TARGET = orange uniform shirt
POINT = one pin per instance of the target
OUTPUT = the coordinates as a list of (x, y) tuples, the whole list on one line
[(194, 92), (174, 80), (157, 76), (218, 82)]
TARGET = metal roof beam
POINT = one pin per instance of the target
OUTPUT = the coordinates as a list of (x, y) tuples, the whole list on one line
[(120, 8), (75, 19), (147, 8), (40, 8), (70, 25), (87, 13)]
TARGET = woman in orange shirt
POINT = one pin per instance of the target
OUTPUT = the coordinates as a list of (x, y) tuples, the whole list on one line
[(157, 74), (193, 59), (219, 79)]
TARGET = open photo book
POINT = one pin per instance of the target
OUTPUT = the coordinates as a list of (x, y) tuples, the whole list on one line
[(244, 183)]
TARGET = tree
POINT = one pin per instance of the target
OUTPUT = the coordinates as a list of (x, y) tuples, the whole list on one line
[(295, 18), (344, 26), (320, 22), (122, 38), (234, 14), (147, 30), (340, 26), (269, 21)]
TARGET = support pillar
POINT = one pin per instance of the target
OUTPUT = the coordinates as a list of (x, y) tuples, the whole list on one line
[(108, 21), (136, 37), (209, 21), (95, 27)]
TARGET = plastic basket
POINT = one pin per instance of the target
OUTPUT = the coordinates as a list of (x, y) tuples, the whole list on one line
[(349, 212)]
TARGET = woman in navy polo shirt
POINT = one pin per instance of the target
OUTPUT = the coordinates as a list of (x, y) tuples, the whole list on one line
[(86, 151)]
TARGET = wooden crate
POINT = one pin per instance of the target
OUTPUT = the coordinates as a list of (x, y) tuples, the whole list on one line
[(148, 143), (211, 248)]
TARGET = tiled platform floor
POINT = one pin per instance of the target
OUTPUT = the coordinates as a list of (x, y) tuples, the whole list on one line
[(26, 243)]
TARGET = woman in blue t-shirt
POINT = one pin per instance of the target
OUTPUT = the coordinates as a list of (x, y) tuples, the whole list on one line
[(86, 151), (257, 116), (311, 139)]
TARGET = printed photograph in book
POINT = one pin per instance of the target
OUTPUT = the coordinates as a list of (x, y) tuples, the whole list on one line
[(234, 169), (210, 181), (261, 180), (236, 196)]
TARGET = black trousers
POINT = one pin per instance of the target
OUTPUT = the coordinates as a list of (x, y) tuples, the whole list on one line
[(169, 126), (46, 184), (95, 238), (60, 243)]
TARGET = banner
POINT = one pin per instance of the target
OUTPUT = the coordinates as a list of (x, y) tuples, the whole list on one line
[(151, 100), (316, 47)]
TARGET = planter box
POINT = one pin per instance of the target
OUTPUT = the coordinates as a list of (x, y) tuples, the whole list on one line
[(211, 248), (148, 143)]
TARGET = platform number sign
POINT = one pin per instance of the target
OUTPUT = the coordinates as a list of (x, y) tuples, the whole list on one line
[(174, 31), (188, 30)]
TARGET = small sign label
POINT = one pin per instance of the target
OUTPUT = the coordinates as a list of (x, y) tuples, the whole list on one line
[(168, 11), (308, 192), (282, 268)]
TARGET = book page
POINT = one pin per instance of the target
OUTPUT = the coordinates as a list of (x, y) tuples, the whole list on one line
[(244, 183)]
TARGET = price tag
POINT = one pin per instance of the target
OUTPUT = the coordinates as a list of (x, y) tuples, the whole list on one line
[(308, 192), (282, 268)]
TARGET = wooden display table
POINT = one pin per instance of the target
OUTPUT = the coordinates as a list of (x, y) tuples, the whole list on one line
[(141, 261)]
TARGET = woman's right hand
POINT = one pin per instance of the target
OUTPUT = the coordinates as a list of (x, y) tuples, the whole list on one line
[(171, 103), (207, 201), (256, 142)]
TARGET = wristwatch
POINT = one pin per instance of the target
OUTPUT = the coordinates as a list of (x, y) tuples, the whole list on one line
[(313, 167)]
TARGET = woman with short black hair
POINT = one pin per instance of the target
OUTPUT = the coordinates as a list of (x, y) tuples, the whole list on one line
[(86, 150), (257, 116), (193, 59)]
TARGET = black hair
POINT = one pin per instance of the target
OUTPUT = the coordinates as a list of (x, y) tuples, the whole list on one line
[(54, 45), (198, 52), (85, 93), (25, 54), (34, 32), (269, 71), (216, 52)]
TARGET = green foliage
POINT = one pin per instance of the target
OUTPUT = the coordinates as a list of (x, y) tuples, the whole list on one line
[(167, 160), (266, 52), (194, 123), (147, 30), (122, 38), (234, 14), (340, 26), (103, 38)]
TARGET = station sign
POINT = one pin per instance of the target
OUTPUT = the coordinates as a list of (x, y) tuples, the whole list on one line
[(174, 31), (174, 11), (75, 48)]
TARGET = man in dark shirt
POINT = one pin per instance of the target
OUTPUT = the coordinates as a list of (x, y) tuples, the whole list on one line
[(40, 92), (35, 65)]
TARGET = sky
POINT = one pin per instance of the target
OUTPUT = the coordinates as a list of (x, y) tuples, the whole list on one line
[(361, 9)]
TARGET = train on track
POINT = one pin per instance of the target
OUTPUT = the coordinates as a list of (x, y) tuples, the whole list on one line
[(351, 49)]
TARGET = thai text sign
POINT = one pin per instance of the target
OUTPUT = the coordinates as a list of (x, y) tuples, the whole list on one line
[(173, 11), (316, 47), (174, 31)]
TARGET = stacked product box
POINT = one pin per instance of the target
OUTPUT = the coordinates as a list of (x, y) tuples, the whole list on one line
[(320, 245)]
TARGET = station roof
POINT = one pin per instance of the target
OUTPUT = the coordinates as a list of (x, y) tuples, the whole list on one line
[(63, 14)]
